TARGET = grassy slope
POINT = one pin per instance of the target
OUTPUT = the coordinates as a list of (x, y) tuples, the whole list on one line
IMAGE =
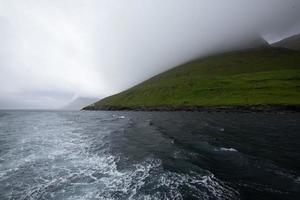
[(269, 76)]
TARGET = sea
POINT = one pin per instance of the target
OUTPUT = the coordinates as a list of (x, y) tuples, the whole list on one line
[(93, 155)]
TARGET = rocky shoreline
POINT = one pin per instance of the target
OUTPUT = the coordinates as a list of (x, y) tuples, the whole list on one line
[(167, 108)]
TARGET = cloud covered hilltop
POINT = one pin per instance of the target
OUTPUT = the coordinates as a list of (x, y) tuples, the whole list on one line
[(289, 43), (253, 79), (54, 51)]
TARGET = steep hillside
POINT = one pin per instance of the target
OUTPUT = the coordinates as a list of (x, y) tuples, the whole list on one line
[(257, 77), (289, 43)]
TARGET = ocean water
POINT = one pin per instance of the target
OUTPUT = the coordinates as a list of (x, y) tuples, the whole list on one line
[(148, 155)]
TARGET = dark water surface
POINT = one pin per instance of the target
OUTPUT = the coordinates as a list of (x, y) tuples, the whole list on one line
[(148, 155)]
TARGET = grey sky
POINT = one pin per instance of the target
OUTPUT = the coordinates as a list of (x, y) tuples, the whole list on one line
[(52, 51)]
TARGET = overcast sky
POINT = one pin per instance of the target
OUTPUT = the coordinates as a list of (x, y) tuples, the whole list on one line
[(52, 51)]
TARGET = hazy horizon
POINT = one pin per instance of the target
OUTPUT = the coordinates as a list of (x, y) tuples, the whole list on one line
[(55, 51)]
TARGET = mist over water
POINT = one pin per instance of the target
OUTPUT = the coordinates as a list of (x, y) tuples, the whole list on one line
[(144, 155)]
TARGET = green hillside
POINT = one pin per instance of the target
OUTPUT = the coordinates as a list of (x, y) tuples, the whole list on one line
[(259, 77)]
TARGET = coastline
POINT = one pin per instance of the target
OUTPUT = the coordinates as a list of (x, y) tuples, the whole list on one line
[(235, 109)]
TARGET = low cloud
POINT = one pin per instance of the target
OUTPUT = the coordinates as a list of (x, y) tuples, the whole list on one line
[(54, 51)]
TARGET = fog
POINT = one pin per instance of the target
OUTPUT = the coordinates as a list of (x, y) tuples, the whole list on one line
[(53, 51)]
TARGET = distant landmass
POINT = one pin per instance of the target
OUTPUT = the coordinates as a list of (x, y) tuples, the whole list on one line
[(79, 103), (262, 78), (289, 43)]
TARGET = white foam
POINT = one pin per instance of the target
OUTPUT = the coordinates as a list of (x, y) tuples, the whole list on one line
[(75, 173), (201, 186), (226, 149)]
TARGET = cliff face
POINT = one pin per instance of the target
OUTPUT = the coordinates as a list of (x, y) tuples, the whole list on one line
[(255, 77)]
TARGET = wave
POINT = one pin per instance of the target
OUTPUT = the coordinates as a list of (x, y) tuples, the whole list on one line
[(226, 149)]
